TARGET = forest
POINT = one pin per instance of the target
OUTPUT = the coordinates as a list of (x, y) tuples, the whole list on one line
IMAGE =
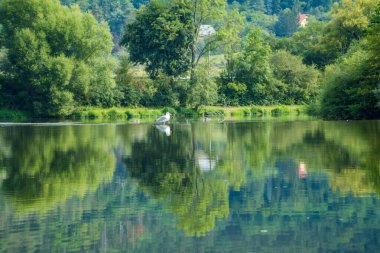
[(60, 56)]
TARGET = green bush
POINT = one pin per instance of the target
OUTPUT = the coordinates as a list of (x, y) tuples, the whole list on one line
[(188, 111), (313, 109), (142, 112), (169, 109), (349, 92), (211, 111), (280, 110), (241, 112), (257, 111), (131, 113), (55, 65), (93, 114), (114, 114)]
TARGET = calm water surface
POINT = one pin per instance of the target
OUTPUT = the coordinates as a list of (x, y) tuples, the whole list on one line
[(259, 186)]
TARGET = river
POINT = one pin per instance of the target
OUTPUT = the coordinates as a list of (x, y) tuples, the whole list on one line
[(191, 186)]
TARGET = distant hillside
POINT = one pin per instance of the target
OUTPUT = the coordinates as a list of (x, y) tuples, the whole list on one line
[(261, 13)]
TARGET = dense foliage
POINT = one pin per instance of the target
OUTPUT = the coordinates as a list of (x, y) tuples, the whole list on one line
[(160, 37), (114, 12), (298, 82), (55, 57), (351, 82)]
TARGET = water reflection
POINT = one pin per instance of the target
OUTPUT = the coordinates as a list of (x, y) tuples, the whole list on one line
[(302, 172), (164, 128), (204, 162), (211, 187), (47, 165)]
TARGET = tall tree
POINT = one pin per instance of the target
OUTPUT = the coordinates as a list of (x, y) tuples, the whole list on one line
[(173, 43), (287, 23), (348, 92), (250, 72), (114, 12), (57, 57), (373, 38), (160, 37), (299, 82), (205, 11), (349, 23)]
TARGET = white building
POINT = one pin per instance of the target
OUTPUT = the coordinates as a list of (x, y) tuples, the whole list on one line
[(206, 30)]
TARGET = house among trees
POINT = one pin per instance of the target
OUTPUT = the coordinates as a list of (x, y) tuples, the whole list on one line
[(302, 20), (206, 30)]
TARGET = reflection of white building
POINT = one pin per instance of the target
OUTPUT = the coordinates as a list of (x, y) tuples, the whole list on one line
[(205, 163), (206, 30)]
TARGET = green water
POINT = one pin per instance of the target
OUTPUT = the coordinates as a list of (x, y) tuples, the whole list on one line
[(247, 186)]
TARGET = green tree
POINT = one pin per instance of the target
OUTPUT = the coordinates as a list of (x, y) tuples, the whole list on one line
[(348, 92), (114, 12), (160, 37), (349, 23), (322, 43), (205, 11), (299, 81), (373, 43), (252, 69), (173, 44), (204, 90), (57, 57), (307, 43), (130, 94), (287, 23), (276, 7), (350, 83)]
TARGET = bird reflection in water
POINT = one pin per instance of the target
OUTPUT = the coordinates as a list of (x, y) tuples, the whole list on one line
[(164, 128)]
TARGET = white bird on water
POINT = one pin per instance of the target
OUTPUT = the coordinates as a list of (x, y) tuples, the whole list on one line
[(164, 118)]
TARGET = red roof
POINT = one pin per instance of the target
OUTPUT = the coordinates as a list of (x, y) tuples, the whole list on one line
[(302, 17)]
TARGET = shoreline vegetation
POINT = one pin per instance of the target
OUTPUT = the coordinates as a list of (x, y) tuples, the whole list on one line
[(130, 58), (142, 112)]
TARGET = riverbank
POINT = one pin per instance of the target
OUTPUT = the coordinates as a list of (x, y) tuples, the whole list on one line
[(14, 114), (205, 111)]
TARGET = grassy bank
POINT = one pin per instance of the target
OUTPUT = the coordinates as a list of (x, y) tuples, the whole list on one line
[(204, 111), (256, 111), (116, 113)]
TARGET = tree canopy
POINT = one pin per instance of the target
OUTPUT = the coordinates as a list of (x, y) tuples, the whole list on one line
[(160, 37), (56, 56)]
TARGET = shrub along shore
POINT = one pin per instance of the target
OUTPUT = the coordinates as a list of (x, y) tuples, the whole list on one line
[(141, 112)]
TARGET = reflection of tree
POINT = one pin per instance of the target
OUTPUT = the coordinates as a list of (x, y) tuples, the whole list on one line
[(166, 168), (347, 152), (198, 210), (254, 183), (47, 165)]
